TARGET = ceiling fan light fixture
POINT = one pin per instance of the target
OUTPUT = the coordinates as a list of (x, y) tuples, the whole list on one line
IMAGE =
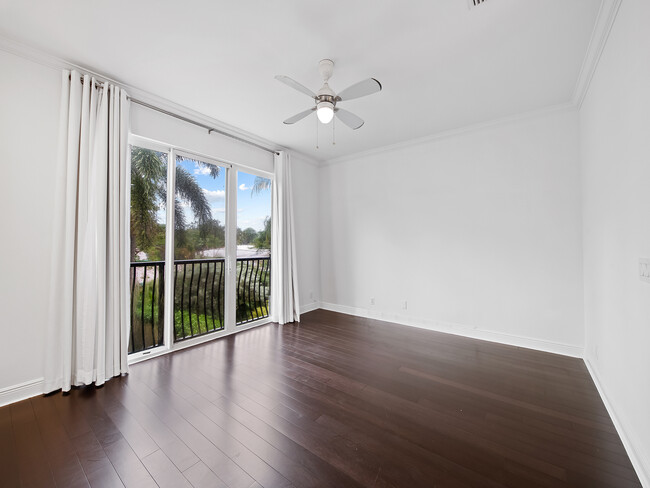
[(325, 112), (327, 100)]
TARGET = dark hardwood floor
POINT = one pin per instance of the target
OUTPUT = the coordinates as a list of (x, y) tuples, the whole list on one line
[(338, 401)]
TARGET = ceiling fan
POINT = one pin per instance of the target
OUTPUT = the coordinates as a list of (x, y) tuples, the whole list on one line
[(326, 99)]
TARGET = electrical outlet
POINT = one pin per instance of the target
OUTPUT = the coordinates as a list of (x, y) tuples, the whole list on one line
[(404, 305), (372, 300), (644, 269)]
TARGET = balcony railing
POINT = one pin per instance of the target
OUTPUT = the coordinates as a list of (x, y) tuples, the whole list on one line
[(198, 298)]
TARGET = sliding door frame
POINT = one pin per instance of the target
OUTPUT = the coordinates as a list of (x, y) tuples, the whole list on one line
[(230, 291)]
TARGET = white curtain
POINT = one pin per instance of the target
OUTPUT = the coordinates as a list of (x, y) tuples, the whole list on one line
[(285, 305), (89, 299)]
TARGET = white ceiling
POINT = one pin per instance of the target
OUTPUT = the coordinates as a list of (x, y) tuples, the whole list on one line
[(442, 65)]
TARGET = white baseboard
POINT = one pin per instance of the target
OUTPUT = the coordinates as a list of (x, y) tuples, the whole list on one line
[(310, 307), (640, 461), (461, 330), (16, 393)]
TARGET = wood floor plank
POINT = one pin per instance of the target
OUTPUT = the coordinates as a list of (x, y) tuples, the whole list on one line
[(226, 456), (316, 435), (8, 455), (175, 449), (352, 411), (297, 419), (225, 425), (165, 471), (59, 449), (128, 466), (438, 440), (31, 458), (279, 451), (337, 401), (126, 463), (138, 439), (96, 465), (200, 476)]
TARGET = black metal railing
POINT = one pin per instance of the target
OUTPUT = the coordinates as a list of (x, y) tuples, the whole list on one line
[(147, 305), (253, 285), (198, 297)]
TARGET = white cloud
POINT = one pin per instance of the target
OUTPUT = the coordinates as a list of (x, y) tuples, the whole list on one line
[(201, 170), (243, 187), (214, 195)]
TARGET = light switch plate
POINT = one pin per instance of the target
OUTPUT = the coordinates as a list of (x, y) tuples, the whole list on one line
[(644, 269)]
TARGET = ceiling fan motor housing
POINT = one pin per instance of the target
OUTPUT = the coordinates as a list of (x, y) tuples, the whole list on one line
[(326, 68), (326, 94)]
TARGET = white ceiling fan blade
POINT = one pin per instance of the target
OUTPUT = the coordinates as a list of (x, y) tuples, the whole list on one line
[(348, 118), (294, 84), (300, 116), (361, 89)]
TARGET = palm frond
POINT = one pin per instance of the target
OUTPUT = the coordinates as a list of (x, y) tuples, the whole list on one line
[(259, 185), (148, 174), (189, 191), (215, 170)]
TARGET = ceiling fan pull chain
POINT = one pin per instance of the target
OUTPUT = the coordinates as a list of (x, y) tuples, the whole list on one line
[(316, 132), (333, 132)]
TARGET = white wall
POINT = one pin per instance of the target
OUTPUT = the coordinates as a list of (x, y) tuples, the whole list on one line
[(480, 233), (29, 121), (305, 175), (615, 154)]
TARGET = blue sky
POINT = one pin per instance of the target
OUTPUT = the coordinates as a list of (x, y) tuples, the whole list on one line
[(251, 209)]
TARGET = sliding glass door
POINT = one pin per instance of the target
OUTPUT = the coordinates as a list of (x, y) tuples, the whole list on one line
[(253, 247), (148, 229), (200, 248)]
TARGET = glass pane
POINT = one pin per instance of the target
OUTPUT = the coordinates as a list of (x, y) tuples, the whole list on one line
[(253, 273), (148, 217), (199, 247)]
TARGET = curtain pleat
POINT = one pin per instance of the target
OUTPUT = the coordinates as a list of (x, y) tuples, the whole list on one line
[(285, 303), (88, 328)]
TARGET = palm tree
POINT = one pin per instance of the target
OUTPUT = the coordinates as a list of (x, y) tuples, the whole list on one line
[(149, 194), (260, 184)]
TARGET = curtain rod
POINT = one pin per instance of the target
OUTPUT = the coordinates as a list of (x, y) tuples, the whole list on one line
[(190, 121), (209, 129)]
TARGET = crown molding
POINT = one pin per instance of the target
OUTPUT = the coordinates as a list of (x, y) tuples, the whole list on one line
[(563, 107), (35, 55), (305, 158), (51, 61), (604, 22)]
